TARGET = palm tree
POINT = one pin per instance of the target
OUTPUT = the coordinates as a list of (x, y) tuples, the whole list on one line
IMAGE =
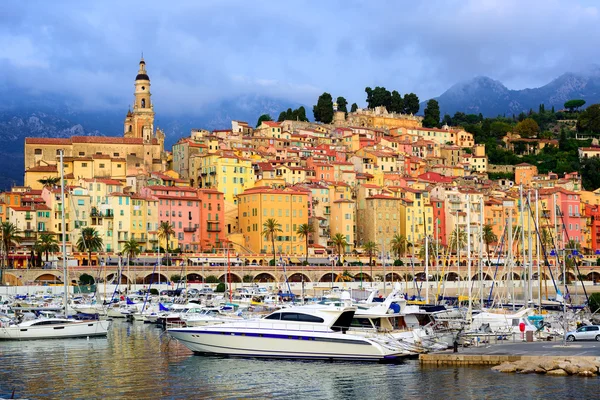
[(47, 243), (270, 228), (304, 230), (339, 241), (371, 249), (10, 236), (489, 237), (89, 241), (49, 182), (131, 249), (399, 245), (165, 231), (458, 239)]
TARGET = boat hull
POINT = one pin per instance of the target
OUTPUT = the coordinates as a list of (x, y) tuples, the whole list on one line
[(282, 344), (59, 331)]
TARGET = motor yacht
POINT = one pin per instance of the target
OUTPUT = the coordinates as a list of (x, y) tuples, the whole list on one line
[(52, 328), (301, 332)]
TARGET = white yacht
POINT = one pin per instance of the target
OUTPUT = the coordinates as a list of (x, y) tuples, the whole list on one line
[(303, 332), (52, 328)]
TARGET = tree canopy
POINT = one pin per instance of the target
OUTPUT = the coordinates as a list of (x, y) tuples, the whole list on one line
[(411, 104), (298, 114), (342, 104), (574, 105), (527, 128), (264, 117), (589, 120), (397, 103), (431, 114), (323, 110), (354, 107)]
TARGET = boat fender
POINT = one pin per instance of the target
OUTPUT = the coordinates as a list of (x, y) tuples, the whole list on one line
[(45, 304)]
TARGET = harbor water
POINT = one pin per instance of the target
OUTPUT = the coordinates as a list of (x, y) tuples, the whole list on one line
[(139, 361)]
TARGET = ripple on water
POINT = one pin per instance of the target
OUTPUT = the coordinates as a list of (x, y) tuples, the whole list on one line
[(139, 362)]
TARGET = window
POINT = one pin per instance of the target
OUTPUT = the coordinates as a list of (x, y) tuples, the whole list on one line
[(115, 154), (84, 165), (101, 166), (82, 153), (37, 152)]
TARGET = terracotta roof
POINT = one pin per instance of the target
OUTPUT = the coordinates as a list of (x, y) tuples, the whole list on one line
[(43, 168)]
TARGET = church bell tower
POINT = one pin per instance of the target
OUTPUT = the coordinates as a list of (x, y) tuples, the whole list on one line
[(139, 123)]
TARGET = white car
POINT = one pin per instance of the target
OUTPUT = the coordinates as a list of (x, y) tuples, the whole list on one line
[(588, 332)]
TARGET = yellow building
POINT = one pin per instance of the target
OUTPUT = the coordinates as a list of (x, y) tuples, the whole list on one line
[(342, 220), (380, 118), (288, 207), (228, 174)]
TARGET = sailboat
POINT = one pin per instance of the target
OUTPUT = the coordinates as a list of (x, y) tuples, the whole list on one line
[(55, 327)]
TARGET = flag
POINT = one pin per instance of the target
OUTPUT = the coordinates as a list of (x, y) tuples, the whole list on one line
[(162, 308)]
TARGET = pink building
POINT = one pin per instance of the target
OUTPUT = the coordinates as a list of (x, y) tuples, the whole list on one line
[(197, 215), (561, 201)]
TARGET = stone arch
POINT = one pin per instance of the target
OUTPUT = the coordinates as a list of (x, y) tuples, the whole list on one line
[(570, 276), (516, 277), (48, 277), (112, 278), (393, 277), (328, 277), (153, 278), (264, 277), (365, 277), (535, 276), (12, 279), (194, 278), (235, 278), (594, 276), (143, 103), (486, 277), (297, 277), (452, 277)]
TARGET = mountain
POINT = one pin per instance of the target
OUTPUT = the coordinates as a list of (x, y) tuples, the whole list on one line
[(28, 114), (491, 98)]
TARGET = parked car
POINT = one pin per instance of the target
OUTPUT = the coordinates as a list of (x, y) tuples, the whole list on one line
[(588, 332)]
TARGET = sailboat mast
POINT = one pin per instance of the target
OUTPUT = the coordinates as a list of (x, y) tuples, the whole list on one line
[(63, 231)]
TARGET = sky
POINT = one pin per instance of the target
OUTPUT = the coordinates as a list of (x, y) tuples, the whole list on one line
[(203, 51)]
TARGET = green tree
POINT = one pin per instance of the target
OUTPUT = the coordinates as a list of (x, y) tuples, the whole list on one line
[(589, 120), (131, 249), (499, 129), (527, 128), (354, 107), (165, 231), (47, 243), (304, 231), (399, 244), (282, 116), (396, 103), (264, 117), (590, 178), (574, 105), (10, 237), (323, 111), (211, 279), (489, 237), (89, 241), (270, 229), (411, 103), (49, 182), (371, 248), (339, 242), (301, 114), (458, 239), (431, 114), (342, 104), (369, 93)]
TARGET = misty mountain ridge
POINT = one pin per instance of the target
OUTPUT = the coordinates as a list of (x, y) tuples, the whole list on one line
[(491, 98)]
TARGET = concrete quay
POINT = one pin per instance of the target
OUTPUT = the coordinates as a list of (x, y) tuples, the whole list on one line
[(492, 355)]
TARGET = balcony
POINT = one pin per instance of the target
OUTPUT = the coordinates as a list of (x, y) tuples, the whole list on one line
[(213, 227), (28, 217), (189, 229)]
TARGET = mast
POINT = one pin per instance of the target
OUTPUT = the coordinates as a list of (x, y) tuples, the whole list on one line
[(63, 232), (537, 250), (426, 269), (525, 289), (481, 208), (470, 289)]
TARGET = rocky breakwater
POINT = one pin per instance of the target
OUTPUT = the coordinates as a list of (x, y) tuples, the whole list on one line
[(560, 366)]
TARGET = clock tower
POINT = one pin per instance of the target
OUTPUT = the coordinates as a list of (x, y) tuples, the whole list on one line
[(139, 123)]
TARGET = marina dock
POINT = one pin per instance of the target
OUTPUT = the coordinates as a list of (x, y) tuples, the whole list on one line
[(496, 354)]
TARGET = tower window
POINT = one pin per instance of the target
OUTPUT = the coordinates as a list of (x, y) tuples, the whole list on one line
[(129, 128), (143, 103), (38, 152)]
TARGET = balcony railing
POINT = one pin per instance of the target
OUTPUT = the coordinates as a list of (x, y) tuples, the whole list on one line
[(189, 229)]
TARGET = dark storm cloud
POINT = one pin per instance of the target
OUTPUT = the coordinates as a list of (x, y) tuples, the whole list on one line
[(203, 51)]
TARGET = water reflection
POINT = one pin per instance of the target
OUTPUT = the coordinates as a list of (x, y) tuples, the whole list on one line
[(139, 361)]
